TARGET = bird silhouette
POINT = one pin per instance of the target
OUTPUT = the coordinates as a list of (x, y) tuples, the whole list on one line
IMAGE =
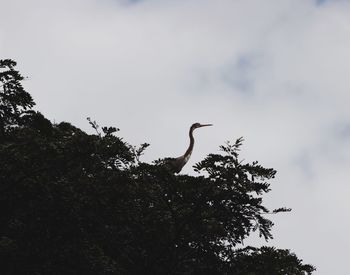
[(175, 165)]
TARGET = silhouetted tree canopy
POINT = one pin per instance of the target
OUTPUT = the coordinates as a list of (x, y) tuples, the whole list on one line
[(78, 203)]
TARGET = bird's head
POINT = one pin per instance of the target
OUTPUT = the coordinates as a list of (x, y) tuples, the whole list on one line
[(198, 125)]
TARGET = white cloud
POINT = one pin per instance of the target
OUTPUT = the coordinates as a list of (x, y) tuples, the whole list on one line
[(275, 72)]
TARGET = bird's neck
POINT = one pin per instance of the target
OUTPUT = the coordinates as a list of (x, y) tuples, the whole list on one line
[(190, 147)]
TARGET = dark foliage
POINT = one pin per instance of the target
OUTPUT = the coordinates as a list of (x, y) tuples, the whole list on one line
[(14, 100), (267, 261), (78, 203)]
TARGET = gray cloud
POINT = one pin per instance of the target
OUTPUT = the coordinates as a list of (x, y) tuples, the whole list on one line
[(275, 72)]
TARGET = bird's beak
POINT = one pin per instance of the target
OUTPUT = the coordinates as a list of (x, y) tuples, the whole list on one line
[(203, 125)]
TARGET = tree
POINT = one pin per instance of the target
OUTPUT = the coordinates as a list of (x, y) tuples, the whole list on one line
[(14, 100), (78, 203)]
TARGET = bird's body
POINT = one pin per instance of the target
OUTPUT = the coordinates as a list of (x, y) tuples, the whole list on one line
[(175, 165)]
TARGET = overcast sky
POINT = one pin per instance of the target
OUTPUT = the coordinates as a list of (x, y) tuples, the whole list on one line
[(276, 72)]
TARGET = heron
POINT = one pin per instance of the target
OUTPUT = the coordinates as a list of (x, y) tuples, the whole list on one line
[(176, 164)]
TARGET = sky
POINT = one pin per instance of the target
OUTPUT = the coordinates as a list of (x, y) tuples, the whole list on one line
[(275, 72)]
